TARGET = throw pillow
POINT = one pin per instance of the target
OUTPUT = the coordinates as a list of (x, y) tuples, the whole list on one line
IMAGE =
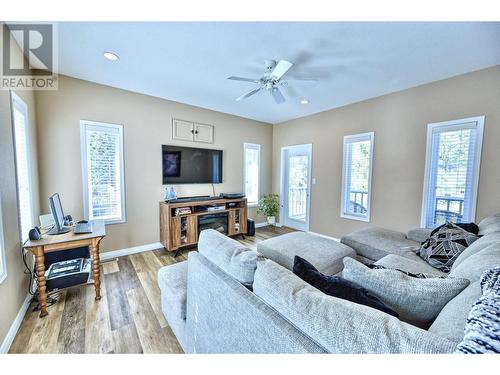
[(481, 329), (443, 247), (417, 301), (337, 286), (419, 275), (469, 227)]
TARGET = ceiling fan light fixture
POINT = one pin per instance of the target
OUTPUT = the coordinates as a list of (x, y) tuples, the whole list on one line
[(111, 56), (304, 101)]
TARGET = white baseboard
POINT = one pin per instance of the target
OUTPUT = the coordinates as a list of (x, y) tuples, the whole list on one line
[(9, 338), (131, 250), (325, 236)]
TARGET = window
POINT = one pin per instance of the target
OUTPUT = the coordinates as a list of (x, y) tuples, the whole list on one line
[(452, 171), (3, 260), (103, 172), (23, 164), (251, 156), (357, 176)]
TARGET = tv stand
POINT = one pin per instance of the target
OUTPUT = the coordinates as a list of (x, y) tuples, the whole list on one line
[(180, 229)]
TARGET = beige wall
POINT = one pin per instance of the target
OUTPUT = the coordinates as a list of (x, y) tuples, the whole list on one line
[(14, 289), (399, 121), (147, 125)]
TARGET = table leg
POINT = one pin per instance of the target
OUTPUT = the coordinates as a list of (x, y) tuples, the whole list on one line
[(96, 268), (42, 284)]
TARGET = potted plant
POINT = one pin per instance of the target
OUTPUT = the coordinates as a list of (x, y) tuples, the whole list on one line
[(269, 205)]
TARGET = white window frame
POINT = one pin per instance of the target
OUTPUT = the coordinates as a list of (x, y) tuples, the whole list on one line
[(85, 182), (370, 136), (453, 125), (20, 105), (3, 255), (254, 146)]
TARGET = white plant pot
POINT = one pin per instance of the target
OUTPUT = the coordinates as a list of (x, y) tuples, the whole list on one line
[(271, 220)]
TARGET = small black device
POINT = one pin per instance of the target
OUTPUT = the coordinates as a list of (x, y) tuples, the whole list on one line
[(250, 227), (82, 222), (35, 234), (58, 215), (82, 227), (232, 195), (68, 220)]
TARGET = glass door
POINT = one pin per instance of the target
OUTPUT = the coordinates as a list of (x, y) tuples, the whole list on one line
[(295, 183)]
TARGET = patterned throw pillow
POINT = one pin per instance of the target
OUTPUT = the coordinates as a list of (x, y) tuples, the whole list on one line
[(482, 332), (442, 248)]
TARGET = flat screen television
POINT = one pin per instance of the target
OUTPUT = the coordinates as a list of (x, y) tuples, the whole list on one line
[(188, 165)]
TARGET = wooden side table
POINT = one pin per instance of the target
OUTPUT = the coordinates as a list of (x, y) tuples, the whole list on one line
[(66, 241)]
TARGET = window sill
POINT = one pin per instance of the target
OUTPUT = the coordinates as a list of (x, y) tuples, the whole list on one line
[(252, 205), (358, 218)]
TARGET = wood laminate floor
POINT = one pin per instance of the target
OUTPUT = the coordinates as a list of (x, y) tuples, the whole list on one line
[(127, 319)]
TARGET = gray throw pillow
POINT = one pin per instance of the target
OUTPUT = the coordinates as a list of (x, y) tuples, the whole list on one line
[(232, 257), (417, 301)]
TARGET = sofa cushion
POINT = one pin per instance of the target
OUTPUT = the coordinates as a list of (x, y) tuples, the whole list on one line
[(376, 243), (414, 265), (417, 301), (172, 280), (324, 253), (338, 325), (473, 267), (230, 255), (338, 287), (481, 330), (481, 244), (445, 245), (418, 234), (450, 322), (489, 225)]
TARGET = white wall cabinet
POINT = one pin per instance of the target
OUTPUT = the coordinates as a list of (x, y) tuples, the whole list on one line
[(192, 131), (203, 133)]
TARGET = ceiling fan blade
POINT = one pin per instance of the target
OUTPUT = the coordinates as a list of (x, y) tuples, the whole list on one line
[(243, 79), (244, 96), (280, 69), (278, 96)]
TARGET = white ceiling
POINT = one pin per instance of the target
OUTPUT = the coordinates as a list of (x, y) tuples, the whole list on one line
[(189, 62)]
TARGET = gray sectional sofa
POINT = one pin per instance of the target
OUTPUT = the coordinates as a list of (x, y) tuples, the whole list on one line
[(227, 298)]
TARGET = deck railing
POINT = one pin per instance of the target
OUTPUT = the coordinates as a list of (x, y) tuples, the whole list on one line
[(297, 202), (448, 209)]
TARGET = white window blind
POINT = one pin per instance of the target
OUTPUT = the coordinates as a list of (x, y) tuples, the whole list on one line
[(357, 171), (252, 172), (452, 171), (23, 167), (103, 171), (3, 261)]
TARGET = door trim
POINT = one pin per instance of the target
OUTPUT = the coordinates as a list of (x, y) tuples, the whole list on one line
[(309, 146)]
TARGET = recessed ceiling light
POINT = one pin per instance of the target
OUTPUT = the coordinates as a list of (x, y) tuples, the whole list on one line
[(111, 56), (304, 101)]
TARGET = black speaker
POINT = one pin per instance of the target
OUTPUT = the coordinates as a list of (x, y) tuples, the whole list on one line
[(35, 234), (250, 227)]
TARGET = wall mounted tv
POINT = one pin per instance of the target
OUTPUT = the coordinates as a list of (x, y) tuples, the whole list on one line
[(187, 165)]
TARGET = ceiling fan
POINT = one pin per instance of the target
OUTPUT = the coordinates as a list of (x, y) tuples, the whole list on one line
[(271, 80)]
